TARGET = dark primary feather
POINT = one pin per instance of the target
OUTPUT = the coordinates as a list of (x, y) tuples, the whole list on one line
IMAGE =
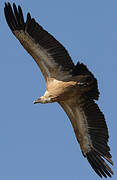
[(97, 165), (15, 20), (98, 132)]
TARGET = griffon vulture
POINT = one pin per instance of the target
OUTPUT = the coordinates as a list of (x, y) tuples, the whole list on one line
[(74, 87)]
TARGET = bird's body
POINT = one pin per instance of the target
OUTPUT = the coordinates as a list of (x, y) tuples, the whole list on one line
[(74, 87), (61, 90)]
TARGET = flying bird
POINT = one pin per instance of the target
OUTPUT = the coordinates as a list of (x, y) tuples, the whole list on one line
[(73, 87)]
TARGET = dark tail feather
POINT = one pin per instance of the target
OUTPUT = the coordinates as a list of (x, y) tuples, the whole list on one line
[(81, 69)]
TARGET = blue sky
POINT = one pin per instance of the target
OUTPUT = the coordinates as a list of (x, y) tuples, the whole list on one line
[(37, 141)]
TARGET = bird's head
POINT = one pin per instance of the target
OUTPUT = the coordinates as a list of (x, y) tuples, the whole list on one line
[(42, 100)]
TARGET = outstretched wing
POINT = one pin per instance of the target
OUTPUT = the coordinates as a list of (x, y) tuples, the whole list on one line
[(52, 58), (91, 132)]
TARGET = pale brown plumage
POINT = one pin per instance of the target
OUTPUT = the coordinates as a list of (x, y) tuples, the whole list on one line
[(73, 87)]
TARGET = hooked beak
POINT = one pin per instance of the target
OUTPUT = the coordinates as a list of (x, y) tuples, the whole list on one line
[(37, 101)]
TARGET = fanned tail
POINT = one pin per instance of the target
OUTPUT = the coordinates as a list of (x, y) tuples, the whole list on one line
[(81, 69)]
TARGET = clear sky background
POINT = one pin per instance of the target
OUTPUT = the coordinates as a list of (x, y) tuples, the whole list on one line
[(37, 142)]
